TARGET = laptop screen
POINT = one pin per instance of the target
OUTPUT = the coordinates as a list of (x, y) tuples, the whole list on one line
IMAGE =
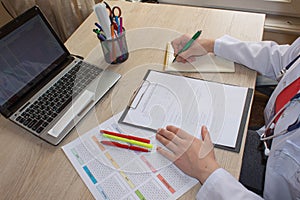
[(28, 52)]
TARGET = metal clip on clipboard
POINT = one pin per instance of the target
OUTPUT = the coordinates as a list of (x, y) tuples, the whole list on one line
[(138, 94)]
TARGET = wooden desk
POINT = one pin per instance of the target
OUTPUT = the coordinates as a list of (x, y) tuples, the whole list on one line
[(34, 169)]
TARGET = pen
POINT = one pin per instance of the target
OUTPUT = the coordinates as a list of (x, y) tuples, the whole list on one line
[(101, 37), (100, 34), (188, 44), (97, 31), (124, 146), (121, 25), (126, 136), (142, 144), (98, 25), (118, 24), (113, 56)]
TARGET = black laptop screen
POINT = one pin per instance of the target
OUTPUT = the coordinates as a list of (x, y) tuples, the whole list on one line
[(24, 54)]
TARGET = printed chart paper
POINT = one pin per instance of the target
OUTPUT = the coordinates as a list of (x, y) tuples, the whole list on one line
[(114, 173)]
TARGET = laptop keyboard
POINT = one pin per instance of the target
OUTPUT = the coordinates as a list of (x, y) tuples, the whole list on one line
[(42, 111)]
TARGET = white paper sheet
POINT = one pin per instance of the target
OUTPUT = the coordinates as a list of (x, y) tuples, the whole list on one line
[(188, 103)]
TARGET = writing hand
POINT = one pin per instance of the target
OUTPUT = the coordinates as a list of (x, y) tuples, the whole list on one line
[(198, 48), (193, 156)]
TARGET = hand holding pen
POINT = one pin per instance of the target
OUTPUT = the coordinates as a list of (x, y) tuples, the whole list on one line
[(187, 47)]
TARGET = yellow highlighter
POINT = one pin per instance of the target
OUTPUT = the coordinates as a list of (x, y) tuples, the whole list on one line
[(141, 144)]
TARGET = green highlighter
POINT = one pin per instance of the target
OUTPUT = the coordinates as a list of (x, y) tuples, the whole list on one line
[(188, 44)]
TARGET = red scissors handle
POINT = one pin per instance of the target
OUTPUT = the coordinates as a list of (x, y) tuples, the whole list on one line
[(112, 11), (119, 11)]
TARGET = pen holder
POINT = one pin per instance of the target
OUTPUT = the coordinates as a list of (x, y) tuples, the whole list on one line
[(115, 50)]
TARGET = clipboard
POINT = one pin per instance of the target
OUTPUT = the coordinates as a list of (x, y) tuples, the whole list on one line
[(135, 101), (153, 80)]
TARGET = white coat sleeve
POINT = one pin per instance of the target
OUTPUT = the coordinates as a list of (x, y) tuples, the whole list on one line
[(266, 57), (221, 185)]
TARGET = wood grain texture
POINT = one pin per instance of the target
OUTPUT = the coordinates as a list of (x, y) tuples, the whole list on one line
[(34, 169)]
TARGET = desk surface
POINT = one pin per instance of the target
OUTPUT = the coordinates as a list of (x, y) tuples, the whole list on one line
[(34, 169)]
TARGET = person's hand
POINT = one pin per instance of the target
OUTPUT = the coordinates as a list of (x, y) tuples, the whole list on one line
[(198, 48), (193, 156)]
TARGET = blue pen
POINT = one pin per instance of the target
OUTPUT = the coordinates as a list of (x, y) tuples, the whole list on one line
[(103, 34), (118, 24), (101, 37), (98, 25)]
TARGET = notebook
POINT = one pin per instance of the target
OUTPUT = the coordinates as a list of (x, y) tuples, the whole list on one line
[(206, 63), (43, 88)]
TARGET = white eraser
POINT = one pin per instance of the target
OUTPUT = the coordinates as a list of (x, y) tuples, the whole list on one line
[(103, 18)]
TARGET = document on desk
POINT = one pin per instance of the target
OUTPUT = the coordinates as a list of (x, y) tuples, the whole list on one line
[(206, 63), (165, 99), (114, 173)]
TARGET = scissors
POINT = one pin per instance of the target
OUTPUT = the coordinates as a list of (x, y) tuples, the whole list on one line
[(114, 14)]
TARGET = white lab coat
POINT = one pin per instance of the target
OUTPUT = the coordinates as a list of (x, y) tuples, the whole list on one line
[(282, 179)]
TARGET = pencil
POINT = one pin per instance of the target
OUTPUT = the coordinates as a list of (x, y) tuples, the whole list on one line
[(166, 57)]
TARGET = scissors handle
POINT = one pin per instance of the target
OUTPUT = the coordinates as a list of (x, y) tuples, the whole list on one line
[(119, 11)]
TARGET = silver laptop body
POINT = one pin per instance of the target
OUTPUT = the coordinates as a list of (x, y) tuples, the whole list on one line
[(43, 88)]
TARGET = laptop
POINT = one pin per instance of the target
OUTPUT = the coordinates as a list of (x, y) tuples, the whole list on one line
[(43, 88)]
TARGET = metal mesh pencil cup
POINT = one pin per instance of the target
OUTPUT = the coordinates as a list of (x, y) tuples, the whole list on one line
[(115, 50)]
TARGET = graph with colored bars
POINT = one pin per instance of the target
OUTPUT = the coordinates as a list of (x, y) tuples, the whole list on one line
[(114, 173)]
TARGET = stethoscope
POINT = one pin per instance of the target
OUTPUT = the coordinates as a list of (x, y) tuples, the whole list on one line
[(283, 71), (271, 124)]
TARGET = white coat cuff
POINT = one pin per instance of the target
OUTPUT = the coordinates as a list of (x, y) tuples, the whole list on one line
[(221, 185), (221, 45), (211, 184)]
